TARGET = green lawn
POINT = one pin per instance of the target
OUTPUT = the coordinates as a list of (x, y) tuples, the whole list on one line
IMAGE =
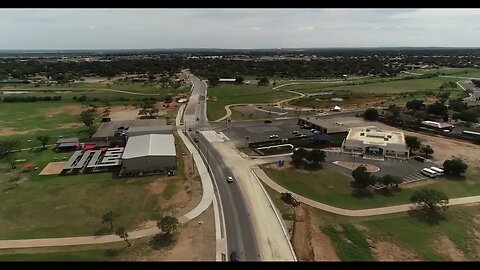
[(356, 249), (60, 206), (101, 252), (331, 187), (226, 94)]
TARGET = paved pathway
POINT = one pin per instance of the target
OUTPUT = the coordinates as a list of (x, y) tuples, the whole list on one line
[(353, 213)]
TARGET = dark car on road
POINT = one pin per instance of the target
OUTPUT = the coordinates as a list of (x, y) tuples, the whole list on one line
[(268, 121), (234, 256)]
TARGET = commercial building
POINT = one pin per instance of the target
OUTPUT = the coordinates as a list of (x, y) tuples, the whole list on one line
[(372, 142), (149, 154), (137, 131), (326, 126)]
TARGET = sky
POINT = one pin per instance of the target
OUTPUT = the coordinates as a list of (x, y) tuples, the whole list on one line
[(32, 29)]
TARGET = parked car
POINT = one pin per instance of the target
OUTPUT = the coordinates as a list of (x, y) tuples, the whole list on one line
[(419, 158), (189, 129), (229, 179), (268, 121), (295, 132), (274, 136), (234, 256), (171, 173)]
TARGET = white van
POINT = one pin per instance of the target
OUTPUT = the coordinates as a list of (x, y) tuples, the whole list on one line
[(428, 172), (437, 170)]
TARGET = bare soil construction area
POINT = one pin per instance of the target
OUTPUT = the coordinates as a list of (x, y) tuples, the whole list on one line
[(309, 243), (53, 168)]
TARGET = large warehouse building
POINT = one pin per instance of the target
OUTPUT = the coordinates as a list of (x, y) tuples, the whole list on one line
[(149, 154), (136, 131), (372, 142)]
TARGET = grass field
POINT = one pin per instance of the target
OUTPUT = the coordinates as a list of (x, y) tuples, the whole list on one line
[(356, 249), (225, 94), (100, 91), (60, 206), (331, 187), (461, 72)]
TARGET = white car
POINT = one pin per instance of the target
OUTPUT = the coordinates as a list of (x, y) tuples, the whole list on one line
[(229, 179), (275, 136)]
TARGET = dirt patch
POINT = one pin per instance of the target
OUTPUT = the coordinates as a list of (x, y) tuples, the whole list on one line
[(9, 131), (388, 251), (323, 248), (53, 168), (118, 113), (351, 165), (196, 242), (444, 148), (68, 109), (301, 234), (157, 186), (444, 246), (419, 183)]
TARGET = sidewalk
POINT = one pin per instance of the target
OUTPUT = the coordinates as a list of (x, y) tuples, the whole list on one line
[(354, 213)]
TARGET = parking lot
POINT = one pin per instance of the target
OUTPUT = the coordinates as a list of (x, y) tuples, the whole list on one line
[(261, 131), (109, 128), (408, 170)]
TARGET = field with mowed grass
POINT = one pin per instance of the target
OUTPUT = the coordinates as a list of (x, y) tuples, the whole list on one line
[(460, 72), (331, 187), (73, 205), (225, 94)]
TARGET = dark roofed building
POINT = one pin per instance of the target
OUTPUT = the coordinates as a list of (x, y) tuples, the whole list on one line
[(68, 144)]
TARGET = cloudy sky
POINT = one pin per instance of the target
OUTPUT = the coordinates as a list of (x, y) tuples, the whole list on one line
[(236, 28)]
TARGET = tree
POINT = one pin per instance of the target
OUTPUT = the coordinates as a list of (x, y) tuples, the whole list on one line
[(457, 105), (394, 112), (88, 117), (426, 150), (371, 114), (239, 80), (7, 146), (122, 234), (44, 140), (455, 166), (168, 224), (437, 108), (430, 199), (110, 217), (298, 156), (415, 104), (412, 142), (390, 180), (420, 115), (263, 81), (315, 156), (467, 116), (443, 95), (213, 80), (82, 98), (362, 177)]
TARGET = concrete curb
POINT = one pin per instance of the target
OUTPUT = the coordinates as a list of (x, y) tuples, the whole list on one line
[(276, 214)]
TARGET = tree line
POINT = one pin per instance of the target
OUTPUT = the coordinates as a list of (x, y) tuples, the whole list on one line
[(31, 99)]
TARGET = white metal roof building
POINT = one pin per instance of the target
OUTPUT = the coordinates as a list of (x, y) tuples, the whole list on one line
[(149, 154), (375, 143)]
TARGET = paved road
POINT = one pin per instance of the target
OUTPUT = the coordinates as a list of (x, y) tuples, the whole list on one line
[(239, 230)]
